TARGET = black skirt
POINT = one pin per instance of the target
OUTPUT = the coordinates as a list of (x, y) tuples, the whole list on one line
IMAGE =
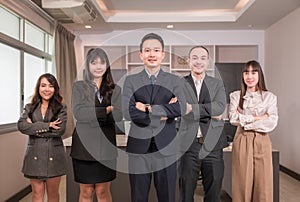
[(93, 172)]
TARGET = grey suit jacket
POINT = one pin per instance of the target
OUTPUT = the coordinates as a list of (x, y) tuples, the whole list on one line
[(45, 154), (212, 102), (94, 137)]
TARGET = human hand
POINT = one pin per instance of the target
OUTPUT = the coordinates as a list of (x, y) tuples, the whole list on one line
[(28, 120), (256, 118), (173, 100), (218, 118), (109, 109), (140, 106), (55, 123), (188, 108)]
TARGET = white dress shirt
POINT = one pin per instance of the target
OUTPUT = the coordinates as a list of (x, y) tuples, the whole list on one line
[(198, 85)]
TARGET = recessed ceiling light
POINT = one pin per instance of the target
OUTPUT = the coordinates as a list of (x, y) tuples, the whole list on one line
[(88, 26), (170, 26)]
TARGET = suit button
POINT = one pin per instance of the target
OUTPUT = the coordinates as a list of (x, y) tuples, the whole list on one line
[(35, 158), (50, 159)]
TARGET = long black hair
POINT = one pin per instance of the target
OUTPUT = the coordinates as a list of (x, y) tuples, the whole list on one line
[(107, 84), (261, 85), (55, 102)]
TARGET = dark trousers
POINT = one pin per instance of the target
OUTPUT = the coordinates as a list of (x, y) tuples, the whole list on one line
[(211, 168), (163, 170)]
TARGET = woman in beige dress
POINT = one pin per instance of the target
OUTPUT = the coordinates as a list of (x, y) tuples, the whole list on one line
[(254, 110)]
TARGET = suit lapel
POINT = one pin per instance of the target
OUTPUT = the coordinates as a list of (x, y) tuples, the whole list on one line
[(160, 77), (145, 81), (191, 88), (38, 113), (204, 93)]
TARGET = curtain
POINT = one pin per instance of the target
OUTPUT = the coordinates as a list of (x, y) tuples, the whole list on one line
[(66, 70)]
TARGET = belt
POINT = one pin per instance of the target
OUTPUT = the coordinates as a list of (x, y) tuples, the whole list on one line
[(200, 140)]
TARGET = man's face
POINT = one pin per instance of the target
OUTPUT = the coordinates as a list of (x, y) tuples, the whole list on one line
[(198, 61), (152, 53)]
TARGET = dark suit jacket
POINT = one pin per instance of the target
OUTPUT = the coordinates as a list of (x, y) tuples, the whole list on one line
[(137, 88), (94, 137), (212, 102), (45, 154)]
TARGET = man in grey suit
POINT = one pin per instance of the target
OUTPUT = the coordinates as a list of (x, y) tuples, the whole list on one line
[(201, 130), (152, 99)]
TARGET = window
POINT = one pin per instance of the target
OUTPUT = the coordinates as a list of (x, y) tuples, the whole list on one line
[(33, 68), (34, 36), (26, 53), (10, 85), (11, 25)]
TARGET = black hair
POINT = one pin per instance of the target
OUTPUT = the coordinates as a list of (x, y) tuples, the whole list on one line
[(152, 36), (261, 85), (55, 102), (107, 84)]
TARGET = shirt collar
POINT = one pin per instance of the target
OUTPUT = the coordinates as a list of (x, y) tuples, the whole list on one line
[(251, 95), (148, 74), (201, 80)]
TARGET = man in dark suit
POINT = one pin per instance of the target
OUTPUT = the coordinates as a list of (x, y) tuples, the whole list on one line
[(201, 130), (152, 99)]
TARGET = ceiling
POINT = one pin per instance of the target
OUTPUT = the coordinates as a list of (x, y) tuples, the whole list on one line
[(183, 15)]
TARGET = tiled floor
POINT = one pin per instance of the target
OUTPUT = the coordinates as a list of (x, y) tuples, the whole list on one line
[(289, 191)]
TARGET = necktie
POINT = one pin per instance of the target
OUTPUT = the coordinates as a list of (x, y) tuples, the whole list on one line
[(153, 79)]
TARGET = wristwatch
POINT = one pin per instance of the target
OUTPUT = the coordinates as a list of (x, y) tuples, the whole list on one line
[(147, 108)]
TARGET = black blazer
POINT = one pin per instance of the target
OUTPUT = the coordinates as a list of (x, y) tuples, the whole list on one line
[(94, 137), (144, 126), (212, 102)]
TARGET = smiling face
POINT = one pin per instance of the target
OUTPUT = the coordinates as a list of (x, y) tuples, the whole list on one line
[(152, 53), (46, 89), (97, 68), (198, 61), (251, 79)]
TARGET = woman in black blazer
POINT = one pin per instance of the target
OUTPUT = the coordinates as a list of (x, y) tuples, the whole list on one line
[(44, 121), (96, 104)]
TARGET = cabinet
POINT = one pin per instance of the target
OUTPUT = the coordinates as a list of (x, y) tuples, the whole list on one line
[(126, 60)]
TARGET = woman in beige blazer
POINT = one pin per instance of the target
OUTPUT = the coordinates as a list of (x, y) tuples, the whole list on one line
[(254, 110), (44, 121)]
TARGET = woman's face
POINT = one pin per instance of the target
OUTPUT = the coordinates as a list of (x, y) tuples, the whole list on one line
[(251, 79), (46, 89), (97, 68)]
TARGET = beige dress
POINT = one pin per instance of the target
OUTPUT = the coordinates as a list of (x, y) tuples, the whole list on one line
[(252, 171)]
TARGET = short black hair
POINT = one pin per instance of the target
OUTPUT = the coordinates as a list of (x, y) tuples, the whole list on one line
[(152, 36)]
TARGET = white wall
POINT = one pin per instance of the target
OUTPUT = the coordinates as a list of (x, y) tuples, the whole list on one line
[(12, 149), (282, 65), (246, 37)]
